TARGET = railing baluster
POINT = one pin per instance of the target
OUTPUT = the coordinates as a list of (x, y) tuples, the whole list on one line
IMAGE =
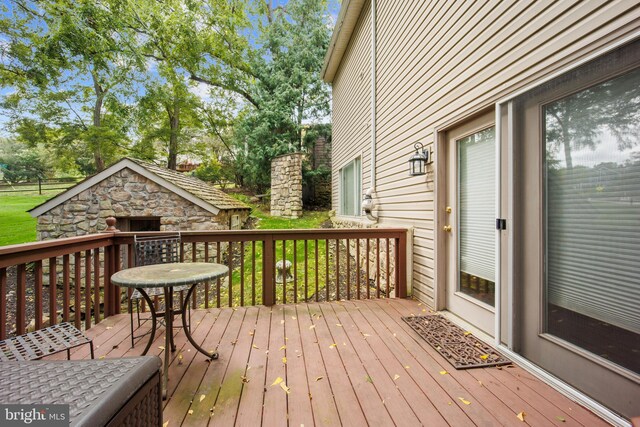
[(268, 266), (367, 269), (53, 294), (87, 289), (96, 286), (77, 280), (37, 272), (377, 268), (388, 269), (306, 270), (284, 272), (348, 271), (194, 258), (130, 263), (242, 274), (218, 280), (21, 298), (230, 286), (337, 270), (3, 303), (357, 268), (317, 271), (116, 289), (326, 268), (65, 288), (295, 271), (206, 283), (253, 272)]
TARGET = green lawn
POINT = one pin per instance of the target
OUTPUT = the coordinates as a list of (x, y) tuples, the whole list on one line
[(16, 225)]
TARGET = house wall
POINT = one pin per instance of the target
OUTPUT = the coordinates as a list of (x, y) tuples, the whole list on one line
[(127, 194), (439, 63)]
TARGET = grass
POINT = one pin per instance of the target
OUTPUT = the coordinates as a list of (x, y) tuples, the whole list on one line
[(16, 225), (284, 250)]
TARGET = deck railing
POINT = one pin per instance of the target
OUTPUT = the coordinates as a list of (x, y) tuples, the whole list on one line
[(70, 277)]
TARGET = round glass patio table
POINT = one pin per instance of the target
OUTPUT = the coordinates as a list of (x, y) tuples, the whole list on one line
[(167, 276)]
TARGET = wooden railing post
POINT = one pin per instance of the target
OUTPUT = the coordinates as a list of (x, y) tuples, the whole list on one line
[(109, 269), (268, 262), (401, 265)]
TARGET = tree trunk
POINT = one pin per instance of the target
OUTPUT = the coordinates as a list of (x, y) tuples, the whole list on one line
[(566, 138), (174, 123), (97, 121)]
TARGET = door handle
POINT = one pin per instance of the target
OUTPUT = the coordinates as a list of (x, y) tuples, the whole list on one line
[(447, 228)]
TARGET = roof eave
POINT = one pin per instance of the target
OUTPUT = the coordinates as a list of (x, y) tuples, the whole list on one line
[(347, 19)]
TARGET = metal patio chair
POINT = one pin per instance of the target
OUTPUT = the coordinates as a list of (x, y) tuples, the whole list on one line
[(149, 251)]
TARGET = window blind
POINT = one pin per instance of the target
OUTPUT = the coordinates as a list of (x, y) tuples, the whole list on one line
[(476, 204)]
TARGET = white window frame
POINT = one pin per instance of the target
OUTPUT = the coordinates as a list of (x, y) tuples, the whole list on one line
[(357, 188)]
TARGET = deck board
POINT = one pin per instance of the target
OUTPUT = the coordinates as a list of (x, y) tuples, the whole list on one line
[(379, 372)]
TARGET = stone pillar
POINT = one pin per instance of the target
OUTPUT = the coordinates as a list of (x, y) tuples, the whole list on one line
[(286, 185)]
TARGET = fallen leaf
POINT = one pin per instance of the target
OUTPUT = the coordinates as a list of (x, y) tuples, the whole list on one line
[(293, 317), (283, 347), (277, 381), (369, 379), (484, 357), (319, 378), (255, 346), (561, 419), (101, 357), (521, 416), (180, 357), (111, 327), (202, 396), (407, 367), (190, 411), (285, 388), (463, 400), (244, 379), (366, 335), (234, 342), (333, 345), (312, 327), (284, 360), (467, 333), (282, 322), (161, 347), (396, 376), (166, 423), (443, 372), (251, 333), (338, 324)]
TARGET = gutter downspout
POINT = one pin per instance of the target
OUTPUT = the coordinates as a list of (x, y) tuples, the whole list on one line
[(368, 202)]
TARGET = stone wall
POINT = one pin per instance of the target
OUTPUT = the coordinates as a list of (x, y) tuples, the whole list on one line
[(373, 251), (286, 186), (127, 194)]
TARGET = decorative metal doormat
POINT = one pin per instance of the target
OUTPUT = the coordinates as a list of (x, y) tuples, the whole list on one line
[(460, 348)]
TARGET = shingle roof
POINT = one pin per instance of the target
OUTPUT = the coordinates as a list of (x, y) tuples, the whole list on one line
[(195, 186)]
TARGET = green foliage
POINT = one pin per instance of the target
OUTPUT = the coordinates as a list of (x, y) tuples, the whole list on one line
[(94, 80), (289, 89), (213, 171), (19, 163)]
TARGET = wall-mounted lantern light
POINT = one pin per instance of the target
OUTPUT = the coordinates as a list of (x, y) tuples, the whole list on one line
[(418, 162)]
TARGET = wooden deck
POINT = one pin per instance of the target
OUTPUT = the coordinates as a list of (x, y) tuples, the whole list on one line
[(342, 363)]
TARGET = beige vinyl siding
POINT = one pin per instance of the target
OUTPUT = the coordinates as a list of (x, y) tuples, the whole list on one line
[(351, 107), (439, 62)]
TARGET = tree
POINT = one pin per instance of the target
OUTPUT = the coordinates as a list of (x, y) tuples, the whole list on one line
[(79, 70), (168, 115), (21, 163)]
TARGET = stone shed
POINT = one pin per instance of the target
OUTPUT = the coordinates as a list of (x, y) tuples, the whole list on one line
[(142, 197)]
